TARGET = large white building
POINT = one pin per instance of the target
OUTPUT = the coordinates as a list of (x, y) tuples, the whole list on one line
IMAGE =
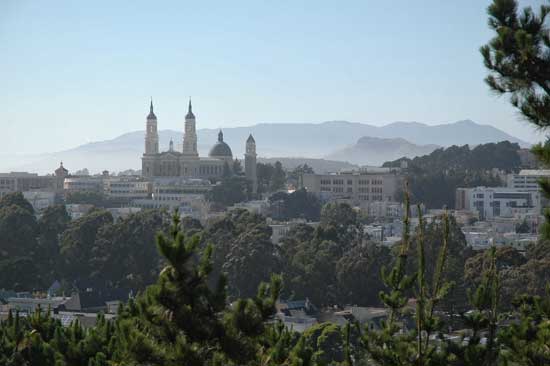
[(359, 188), (492, 202)]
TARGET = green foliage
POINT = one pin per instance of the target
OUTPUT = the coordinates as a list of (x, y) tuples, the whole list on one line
[(52, 223), (230, 190), (18, 244), (123, 253), (16, 199), (319, 263), (433, 178), (518, 60), (294, 177), (242, 250), (87, 197), (77, 243), (183, 320), (299, 204), (271, 178)]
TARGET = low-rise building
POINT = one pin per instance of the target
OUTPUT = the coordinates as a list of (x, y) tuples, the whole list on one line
[(527, 180), (492, 202), (281, 229), (85, 183), (359, 187), (127, 188)]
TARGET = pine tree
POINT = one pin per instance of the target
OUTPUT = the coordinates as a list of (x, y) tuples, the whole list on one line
[(184, 320)]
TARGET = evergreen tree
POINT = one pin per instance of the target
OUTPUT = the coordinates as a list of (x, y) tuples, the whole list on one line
[(518, 60), (184, 320)]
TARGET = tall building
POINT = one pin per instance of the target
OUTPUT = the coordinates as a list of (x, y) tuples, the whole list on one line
[(250, 163), (187, 163), (190, 135), (151, 133)]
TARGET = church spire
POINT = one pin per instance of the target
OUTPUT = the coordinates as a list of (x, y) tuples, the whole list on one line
[(190, 114), (220, 136), (151, 113)]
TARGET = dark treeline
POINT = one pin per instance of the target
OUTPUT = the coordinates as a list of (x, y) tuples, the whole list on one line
[(433, 178)]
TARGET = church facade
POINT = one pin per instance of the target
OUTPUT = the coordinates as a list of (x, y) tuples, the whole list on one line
[(187, 163)]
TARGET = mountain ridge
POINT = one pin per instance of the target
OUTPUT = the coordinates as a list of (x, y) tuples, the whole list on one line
[(308, 140)]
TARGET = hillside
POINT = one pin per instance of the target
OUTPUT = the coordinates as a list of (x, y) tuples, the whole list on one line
[(273, 139), (375, 151)]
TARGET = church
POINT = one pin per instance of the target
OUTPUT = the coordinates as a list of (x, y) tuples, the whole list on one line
[(187, 163)]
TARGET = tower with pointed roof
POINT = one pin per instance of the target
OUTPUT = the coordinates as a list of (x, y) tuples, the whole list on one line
[(151, 133), (190, 134), (250, 163)]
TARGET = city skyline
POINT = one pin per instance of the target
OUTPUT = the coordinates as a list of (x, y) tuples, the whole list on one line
[(76, 73)]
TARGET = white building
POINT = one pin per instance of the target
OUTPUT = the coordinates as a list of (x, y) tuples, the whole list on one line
[(491, 202), (281, 229), (357, 187), (127, 188), (83, 183), (527, 180)]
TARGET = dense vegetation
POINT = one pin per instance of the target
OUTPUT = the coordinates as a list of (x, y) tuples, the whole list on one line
[(434, 178), (185, 318)]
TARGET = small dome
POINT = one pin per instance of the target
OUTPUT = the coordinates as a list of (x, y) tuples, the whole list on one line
[(220, 149), (61, 170)]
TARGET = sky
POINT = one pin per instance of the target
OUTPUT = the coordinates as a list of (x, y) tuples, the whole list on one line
[(73, 72)]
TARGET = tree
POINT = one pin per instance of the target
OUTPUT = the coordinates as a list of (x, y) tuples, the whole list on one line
[(243, 251), (229, 191), (278, 179), (87, 197), (77, 244), (124, 254), (181, 320), (16, 199), (518, 61), (264, 173), (295, 176), (523, 227), (237, 167), (18, 230), (296, 205), (52, 223), (358, 274)]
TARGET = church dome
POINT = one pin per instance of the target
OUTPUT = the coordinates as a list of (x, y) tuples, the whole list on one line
[(61, 171), (220, 149)]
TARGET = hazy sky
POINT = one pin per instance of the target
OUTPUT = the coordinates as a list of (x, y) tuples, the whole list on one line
[(78, 71)]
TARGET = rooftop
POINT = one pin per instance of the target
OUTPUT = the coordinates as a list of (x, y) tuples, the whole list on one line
[(535, 172)]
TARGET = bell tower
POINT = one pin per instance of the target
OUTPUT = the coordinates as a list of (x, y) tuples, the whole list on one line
[(151, 133), (190, 135), (250, 163)]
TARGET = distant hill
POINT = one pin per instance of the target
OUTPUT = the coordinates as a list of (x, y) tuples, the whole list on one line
[(318, 165), (375, 151), (273, 139)]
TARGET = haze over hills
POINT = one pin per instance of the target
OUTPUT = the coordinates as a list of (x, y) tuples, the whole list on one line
[(308, 140), (376, 151)]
